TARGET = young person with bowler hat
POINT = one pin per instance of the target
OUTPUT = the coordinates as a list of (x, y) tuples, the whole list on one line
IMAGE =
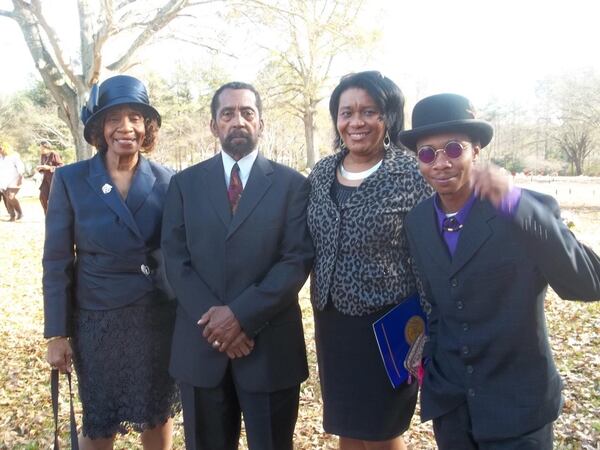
[(486, 252), (102, 303)]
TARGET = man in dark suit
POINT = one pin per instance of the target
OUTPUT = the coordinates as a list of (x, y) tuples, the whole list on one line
[(237, 252), (485, 252)]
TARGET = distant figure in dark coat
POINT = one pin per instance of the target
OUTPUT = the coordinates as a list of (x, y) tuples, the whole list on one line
[(49, 161)]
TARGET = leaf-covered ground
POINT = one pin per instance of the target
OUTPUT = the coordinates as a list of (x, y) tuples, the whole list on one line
[(25, 409)]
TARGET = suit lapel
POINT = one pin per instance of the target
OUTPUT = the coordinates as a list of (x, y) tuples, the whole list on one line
[(103, 186), (428, 235), (141, 185), (216, 189), (474, 234), (256, 187)]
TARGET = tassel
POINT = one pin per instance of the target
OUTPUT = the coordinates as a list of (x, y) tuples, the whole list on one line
[(421, 374)]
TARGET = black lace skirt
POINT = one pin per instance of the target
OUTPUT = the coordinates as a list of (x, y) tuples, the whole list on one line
[(121, 358)]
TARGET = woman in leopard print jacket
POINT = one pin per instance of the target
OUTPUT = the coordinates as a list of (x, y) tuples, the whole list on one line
[(359, 197)]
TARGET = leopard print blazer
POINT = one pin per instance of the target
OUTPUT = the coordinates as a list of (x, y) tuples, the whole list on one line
[(361, 251)]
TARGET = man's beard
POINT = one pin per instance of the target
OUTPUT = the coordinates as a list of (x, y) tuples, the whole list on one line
[(239, 150)]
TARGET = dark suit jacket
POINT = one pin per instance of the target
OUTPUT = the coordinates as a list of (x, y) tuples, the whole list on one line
[(488, 339), (255, 262), (96, 243)]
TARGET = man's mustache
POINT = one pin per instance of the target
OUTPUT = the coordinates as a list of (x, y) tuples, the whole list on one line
[(237, 134)]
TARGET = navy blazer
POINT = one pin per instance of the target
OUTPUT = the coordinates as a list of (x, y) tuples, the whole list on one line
[(488, 340), (96, 251), (255, 262)]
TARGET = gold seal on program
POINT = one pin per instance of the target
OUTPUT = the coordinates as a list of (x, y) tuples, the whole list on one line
[(413, 328)]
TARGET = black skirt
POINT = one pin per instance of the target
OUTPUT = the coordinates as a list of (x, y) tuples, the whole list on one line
[(359, 401), (121, 358)]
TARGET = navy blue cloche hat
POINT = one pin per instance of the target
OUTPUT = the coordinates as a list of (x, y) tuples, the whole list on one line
[(444, 113), (115, 91)]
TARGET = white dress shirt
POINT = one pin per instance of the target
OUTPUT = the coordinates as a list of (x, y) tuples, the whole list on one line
[(11, 170), (245, 164)]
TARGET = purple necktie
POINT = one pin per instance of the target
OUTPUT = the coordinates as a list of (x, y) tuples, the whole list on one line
[(234, 192)]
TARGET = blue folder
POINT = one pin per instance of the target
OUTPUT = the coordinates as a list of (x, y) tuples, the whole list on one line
[(395, 332)]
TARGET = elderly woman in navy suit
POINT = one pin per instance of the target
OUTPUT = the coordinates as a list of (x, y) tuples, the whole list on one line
[(359, 197), (101, 301)]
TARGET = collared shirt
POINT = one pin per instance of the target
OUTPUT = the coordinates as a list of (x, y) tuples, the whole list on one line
[(11, 170), (245, 164), (451, 237), (508, 208)]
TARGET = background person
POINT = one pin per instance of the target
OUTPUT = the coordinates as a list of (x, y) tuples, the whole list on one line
[(486, 252), (11, 179), (49, 161), (359, 197), (101, 303), (237, 252)]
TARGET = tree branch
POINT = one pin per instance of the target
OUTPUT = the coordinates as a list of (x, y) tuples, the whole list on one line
[(200, 44), (6, 13), (36, 9), (162, 18), (43, 60)]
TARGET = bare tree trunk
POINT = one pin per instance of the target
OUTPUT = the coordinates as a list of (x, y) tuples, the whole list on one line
[(98, 22), (82, 149), (65, 96), (312, 151), (578, 166)]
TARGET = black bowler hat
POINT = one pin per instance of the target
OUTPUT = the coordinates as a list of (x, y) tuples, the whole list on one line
[(444, 113), (115, 91)]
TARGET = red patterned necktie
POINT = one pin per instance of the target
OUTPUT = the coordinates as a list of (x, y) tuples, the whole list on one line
[(234, 192)]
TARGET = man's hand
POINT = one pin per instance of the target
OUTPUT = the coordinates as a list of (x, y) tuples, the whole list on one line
[(59, 354), (490, 182), (241, 346), (221, 327)]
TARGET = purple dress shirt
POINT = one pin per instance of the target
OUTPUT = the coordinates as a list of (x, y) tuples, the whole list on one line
[(507, 207)]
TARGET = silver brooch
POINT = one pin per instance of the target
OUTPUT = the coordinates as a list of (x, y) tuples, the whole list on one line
[(106, 188)]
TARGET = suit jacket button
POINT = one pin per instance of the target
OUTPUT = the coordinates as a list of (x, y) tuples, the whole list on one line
[(459, 305), (145, 269), (470, 369), (471, 392), (453, 282), (465, 350)]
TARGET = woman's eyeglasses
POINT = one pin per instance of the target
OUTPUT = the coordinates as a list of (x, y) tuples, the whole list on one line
[(427, 154)]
